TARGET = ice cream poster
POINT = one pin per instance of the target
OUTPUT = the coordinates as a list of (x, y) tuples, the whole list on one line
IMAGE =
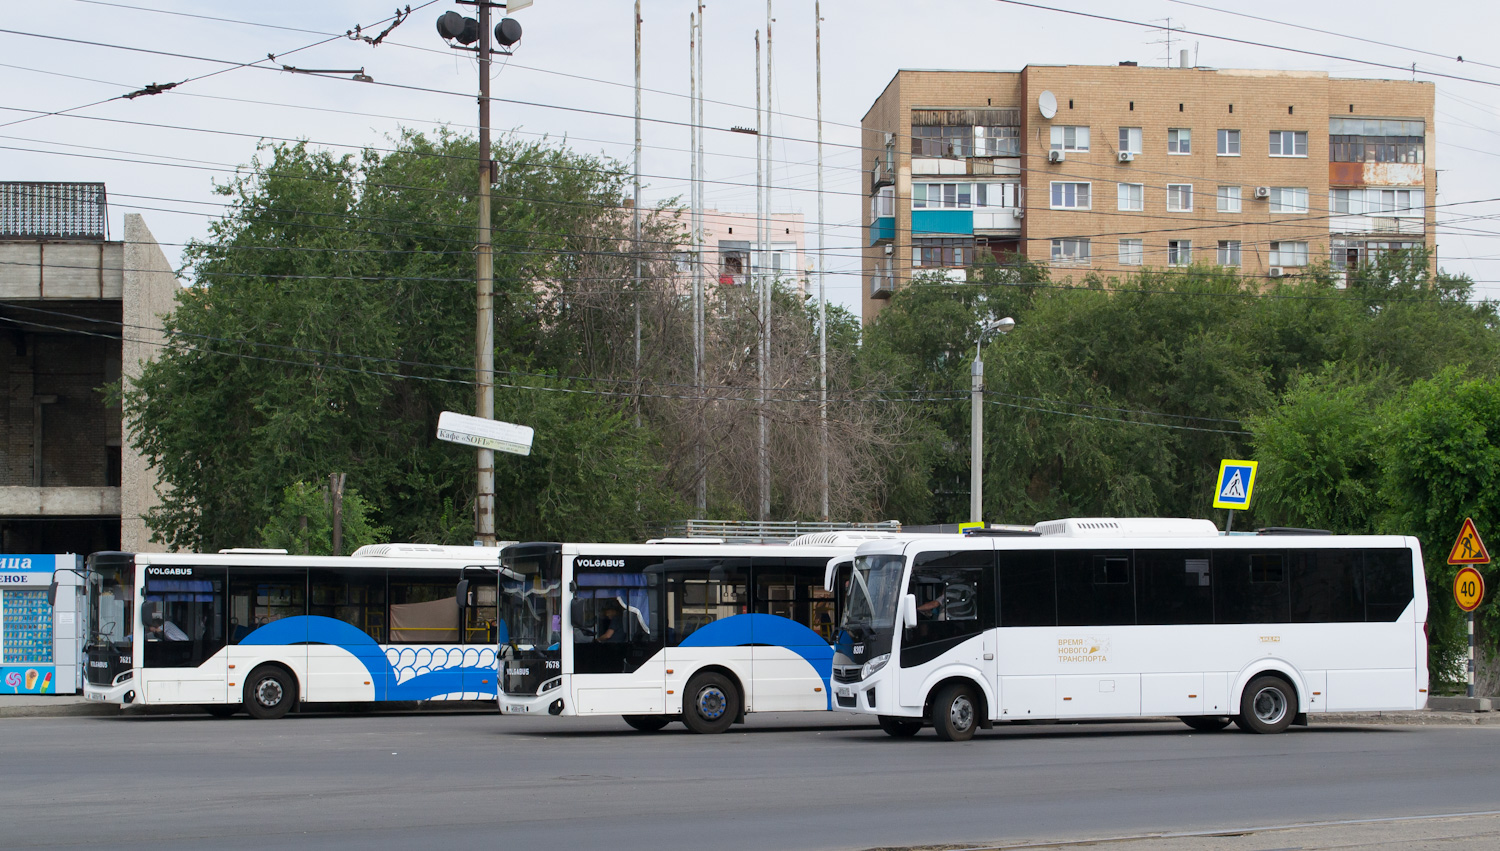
[(27, 679)]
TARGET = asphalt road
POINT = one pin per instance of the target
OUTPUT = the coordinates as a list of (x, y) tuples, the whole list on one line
[(377, 781)]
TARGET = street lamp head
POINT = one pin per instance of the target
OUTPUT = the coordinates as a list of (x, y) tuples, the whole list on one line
[(507, 32), (455, 27), (1004, 326)]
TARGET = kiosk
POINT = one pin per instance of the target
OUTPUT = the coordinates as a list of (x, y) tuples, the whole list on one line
[(40, 644)]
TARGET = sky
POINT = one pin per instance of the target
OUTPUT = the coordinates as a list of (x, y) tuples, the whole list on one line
[(571, 79)]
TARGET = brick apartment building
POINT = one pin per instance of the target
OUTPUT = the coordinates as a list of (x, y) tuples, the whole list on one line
[(1107, 169), (68, 481)]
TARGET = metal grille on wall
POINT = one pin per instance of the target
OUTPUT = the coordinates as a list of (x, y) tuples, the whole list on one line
[(53, 211)]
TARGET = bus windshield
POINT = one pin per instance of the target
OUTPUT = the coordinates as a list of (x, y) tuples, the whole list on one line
[(531, 601), (875, 588), (111, 616)]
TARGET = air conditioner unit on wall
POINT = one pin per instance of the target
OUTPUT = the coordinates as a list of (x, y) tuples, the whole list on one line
[(1262, 191), (1276, 272), (1127, 156), (1056, 156), (1020, 212), (890, 249)]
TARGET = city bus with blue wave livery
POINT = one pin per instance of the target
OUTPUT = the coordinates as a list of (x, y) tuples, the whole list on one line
[(690, 630), (264, 631)]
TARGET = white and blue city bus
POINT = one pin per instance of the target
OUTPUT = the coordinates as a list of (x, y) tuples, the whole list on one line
[(1113, 618), (693, 630), (265, 631)]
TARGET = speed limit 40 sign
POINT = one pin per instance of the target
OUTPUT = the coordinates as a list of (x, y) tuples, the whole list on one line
[(1468, 589)]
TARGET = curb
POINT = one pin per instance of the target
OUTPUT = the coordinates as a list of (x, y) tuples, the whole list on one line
[(83, 709)]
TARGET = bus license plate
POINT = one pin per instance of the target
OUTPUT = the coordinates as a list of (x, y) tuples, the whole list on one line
[(845, 691)]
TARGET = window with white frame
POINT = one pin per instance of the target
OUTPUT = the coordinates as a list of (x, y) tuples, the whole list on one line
[(1377, 202), (1288, 143), (1179, 197), (1132, 252), (1288, 199), (1229, 143), (1130, 140), (997, 194), (1179, 141), (1132, 196), (1070, 251), (1288, 254), (1179, 252), (1069, 138), (1229, 252), (1070, 196), (1229, 199), (883, 203)]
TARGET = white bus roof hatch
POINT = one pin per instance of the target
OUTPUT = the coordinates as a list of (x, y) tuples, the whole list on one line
[(1128, 527)]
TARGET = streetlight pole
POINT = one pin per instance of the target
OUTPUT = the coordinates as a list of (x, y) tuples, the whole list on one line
[(976, 425), (454, 27)]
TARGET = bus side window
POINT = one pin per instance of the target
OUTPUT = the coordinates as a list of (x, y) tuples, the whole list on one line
[(258, 596), (356, 597), (701, 591)]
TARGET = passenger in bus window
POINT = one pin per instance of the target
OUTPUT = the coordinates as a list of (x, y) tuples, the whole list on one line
[(610, 626), (163, 630)]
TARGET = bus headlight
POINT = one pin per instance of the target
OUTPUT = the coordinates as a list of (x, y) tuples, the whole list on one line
[(870, 667), (550, 685)]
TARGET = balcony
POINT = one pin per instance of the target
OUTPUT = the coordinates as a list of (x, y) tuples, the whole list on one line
[(882, 285)]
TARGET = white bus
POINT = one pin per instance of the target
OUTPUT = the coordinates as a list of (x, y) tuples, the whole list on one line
[(1113, 618), (263, 631), (691, 630)]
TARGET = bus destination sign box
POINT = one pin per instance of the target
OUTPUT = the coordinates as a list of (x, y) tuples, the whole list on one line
[(484, 434)]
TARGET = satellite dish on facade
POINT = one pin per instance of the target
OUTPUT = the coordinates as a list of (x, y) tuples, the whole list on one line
[(1047, 103)]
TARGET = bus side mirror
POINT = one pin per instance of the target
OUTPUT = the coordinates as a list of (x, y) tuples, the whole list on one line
[(148, 612), (909, 610), (52, 592), (576, 612), (462, 594)]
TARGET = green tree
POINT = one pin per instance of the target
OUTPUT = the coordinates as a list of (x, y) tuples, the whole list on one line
[(332, 321), (303, 523)]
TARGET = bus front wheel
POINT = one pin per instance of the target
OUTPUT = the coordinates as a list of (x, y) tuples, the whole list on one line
[(710, 704), (901, 728), (955, 713), (1267, 706), (647, 723), (270, 693)]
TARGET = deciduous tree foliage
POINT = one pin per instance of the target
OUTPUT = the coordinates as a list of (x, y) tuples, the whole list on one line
[(332, 319)]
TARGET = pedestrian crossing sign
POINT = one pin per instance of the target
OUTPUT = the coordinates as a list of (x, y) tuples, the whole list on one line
[(1236, 483)]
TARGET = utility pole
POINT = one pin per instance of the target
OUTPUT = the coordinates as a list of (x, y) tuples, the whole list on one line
[(822, 251), (484, 330), (698, 265), (455, 27), (768, 282), (701, 490), (635, 214)]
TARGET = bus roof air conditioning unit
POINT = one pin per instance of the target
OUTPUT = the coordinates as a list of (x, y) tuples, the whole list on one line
[(1056, 156), (1127, 156), (1276, 272), (1262, 191)]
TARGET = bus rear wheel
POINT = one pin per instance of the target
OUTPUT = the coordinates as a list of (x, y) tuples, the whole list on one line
[(1267, 706), (710, 704), (647, 723), (1205, 723), (955, 713), (270, 693), (901, 728)]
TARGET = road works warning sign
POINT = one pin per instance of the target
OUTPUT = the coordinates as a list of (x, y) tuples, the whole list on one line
[(1468, 549), (1236, 483)]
